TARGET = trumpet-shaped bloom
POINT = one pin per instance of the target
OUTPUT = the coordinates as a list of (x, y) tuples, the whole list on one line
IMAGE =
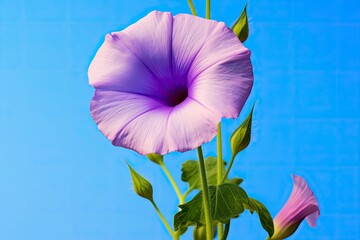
[(164, 83), (301, 204)]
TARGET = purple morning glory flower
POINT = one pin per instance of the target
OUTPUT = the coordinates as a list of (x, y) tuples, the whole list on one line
[(164, 83), (301, 204)]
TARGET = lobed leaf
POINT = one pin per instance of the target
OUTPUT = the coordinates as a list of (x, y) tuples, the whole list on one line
[(191, 173), (156, 158), (226, 201)]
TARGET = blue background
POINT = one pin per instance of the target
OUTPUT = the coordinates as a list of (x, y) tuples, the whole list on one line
[(61, 179)]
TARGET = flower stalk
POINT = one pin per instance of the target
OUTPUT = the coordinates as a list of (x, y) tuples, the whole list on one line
[(220, 167), (184, 196), (163, 220), (228, 169), (227, 228), (192, 8), (206, 198), (208, 9), (172, 182), (220, 162)]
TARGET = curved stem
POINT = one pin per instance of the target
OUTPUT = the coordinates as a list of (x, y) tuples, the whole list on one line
[(208, 9), (162, 218), (228, 169), (227, 228), (183, 198), (192, 8), (220, 167), (205, 195), (172, 181)]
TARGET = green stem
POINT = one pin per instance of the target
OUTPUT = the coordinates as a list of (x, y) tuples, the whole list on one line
[(208, 9), (172, 181), (227, 228), (220, 230), (220, 167), (220, 162), (166, 224), (177, 235), (206, 198), (192, 8), (183, 197), (228, 169)]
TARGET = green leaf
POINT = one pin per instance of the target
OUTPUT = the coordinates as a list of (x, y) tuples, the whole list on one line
[(235, 180), (141, 186), (264, 215), (183, 230), (156, 158), (241, 26), (191, 173), (240, 138), (226, 201)]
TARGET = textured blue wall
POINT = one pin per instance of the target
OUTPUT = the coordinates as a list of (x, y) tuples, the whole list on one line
[(61, 179)]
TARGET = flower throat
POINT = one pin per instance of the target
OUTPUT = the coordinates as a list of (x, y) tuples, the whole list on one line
[(177, 96)]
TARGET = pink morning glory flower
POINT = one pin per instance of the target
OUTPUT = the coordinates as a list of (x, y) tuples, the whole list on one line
[(164, 83), (301, 204)]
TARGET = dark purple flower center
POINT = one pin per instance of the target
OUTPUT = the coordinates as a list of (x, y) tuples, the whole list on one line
[(176, 96)]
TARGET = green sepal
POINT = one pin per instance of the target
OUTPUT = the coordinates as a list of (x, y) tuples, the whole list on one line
[(240, 138), (191, 173), (264, 215), (241, 26), (141, 186), (156, 158), (284, 232), (226, 201)]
